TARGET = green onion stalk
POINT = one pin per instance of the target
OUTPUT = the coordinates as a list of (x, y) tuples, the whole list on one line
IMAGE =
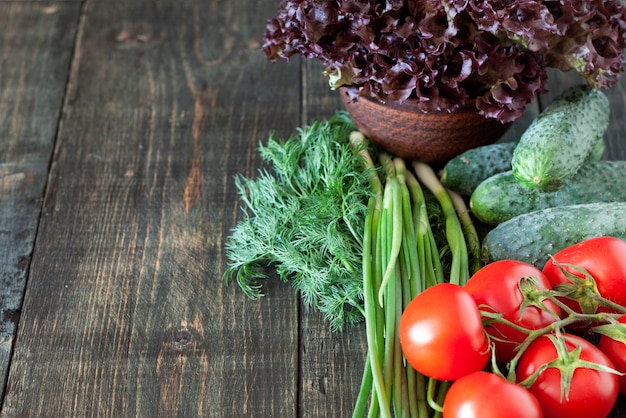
[(371, 283), (471, 234), (400, 259), (459, 271)]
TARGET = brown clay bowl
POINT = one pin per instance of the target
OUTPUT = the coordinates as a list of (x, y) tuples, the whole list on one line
[(403, 130)]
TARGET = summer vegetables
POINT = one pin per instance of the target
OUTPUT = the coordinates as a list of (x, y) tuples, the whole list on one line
[(558, 142), (550, 152), (362, 235), (534, 236), (502, 197), (359, 235)]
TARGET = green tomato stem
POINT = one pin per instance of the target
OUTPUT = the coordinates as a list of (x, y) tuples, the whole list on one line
[(548, 329), (567, 362), (610, 304)]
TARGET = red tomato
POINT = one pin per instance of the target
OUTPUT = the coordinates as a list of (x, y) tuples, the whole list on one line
[(592, 393), (497, 286), (441, 333), (605, 260), (615, 350), (485, 395)]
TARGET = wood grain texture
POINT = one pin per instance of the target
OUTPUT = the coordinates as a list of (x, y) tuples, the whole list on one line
[(35, 49), (126, 188), (125, 312)]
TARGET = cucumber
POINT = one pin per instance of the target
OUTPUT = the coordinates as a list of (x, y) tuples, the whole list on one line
[(558, 141), (467, 170), (535, 236), (597, 151), (501, 197)]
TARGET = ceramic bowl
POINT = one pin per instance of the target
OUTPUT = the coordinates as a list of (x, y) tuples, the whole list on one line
[(403, 130)]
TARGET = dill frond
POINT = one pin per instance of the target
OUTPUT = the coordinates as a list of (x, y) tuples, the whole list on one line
[(304, 217)]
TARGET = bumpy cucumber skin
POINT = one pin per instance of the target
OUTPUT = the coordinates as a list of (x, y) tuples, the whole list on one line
[(501, 197), (464, 172), (467, 170), (556, 144), (533, 237), (597, 151)]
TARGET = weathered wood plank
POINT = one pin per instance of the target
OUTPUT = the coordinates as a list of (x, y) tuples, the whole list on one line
[(35, 49), (125, 312)]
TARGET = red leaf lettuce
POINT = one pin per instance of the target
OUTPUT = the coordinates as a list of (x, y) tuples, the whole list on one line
[(446, 53)]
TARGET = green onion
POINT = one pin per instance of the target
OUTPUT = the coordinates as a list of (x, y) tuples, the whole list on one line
[(401, 258), (459, 271)]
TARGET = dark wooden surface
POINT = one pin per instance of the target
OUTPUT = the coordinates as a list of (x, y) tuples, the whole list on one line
[(122, 124)]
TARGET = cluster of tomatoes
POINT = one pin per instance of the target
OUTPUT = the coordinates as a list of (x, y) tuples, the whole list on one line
[(518, 341)]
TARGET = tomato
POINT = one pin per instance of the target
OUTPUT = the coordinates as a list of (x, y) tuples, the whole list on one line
[(604, 258), (441, 333), (592, 393), (497, 286), (615, 349), (485, 395)]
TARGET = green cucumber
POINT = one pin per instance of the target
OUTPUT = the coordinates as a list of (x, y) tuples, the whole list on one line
[(534, 236), (501, 197), (558, 141), (597, 152), (467, 170)]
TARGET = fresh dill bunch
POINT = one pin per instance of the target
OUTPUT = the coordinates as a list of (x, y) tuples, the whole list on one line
[(304, 218)]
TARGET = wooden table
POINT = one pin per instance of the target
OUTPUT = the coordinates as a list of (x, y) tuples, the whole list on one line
[(122, 124)]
